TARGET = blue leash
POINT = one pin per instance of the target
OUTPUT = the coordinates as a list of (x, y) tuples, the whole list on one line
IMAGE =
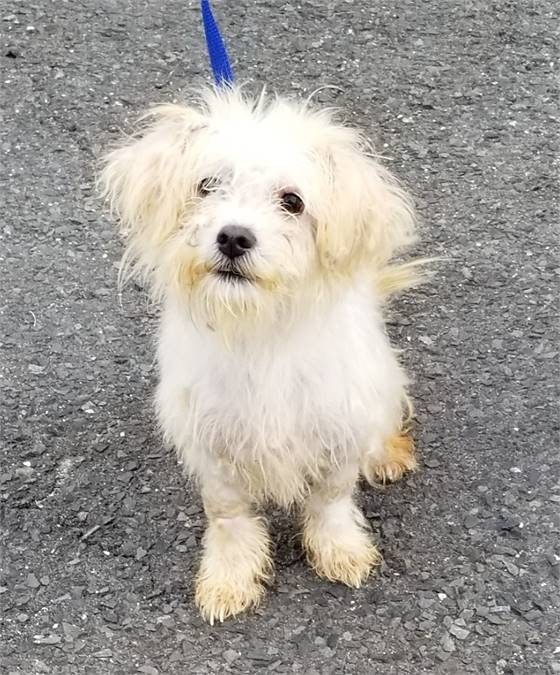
[(219, 60)]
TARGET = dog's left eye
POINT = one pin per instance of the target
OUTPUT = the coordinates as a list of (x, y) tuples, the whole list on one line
[(292, 203), (206, 185)]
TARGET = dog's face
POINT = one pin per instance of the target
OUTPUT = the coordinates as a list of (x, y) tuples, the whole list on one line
[(242, 206)]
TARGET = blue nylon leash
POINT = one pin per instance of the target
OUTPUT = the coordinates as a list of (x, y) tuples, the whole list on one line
[(219, 60)]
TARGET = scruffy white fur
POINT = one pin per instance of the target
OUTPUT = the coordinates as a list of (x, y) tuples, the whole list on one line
[(282, 385)]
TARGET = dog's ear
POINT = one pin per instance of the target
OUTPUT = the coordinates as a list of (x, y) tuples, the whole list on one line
[(365, 216), (146, 180)]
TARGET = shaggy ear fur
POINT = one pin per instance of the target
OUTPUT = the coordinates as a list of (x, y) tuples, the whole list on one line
[(146, 181), (366, 216)]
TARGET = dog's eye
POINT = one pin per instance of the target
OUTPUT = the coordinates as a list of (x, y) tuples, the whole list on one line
[(206, 185), (292, 203)]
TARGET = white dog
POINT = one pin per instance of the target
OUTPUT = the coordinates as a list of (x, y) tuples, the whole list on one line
[(266, 229)]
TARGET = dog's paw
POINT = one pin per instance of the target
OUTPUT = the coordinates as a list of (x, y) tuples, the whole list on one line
[(398, 458), (234, 567), (217, 599), (340, 548), (348, 564)]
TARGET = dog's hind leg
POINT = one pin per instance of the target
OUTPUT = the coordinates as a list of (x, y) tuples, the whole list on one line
[(388, 461), (336, 536), (236, 555)]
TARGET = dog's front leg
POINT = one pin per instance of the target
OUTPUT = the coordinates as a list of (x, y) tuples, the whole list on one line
[(236, 555), (336, 536)]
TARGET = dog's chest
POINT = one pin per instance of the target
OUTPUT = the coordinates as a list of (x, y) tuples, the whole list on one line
[(278, 409), (280, 419), (276, 394)]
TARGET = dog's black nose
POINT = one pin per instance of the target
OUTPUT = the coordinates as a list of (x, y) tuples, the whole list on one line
[(235, 241)]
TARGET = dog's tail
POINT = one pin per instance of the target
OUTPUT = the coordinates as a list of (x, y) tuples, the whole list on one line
[(394, 278)]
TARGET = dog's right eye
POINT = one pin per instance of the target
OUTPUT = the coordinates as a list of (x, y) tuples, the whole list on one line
[(207, 185)]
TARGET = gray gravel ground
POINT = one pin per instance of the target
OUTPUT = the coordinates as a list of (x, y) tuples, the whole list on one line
[(100, 533)]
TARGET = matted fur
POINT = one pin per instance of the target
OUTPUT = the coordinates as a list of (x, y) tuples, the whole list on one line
[(273, 386)]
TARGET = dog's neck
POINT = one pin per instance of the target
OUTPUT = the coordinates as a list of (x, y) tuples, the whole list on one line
[(309, 310)]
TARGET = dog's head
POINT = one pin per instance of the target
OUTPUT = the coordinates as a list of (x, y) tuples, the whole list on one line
[(241, 206)]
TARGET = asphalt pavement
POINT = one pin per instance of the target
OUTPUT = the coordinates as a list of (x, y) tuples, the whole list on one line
[(99, 531)]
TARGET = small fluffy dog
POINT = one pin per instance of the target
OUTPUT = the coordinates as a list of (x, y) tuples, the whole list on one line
[(266, 228)]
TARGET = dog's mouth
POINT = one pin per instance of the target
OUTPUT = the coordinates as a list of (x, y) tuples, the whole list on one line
[(231, 276)]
